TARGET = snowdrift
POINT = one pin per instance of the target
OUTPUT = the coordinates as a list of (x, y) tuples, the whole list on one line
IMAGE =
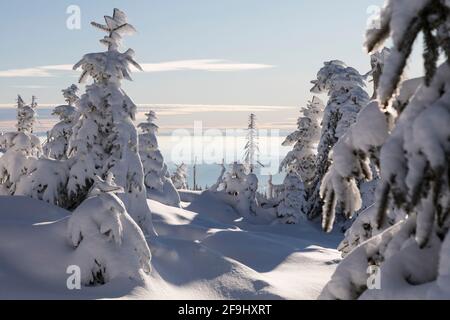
[(204, 251)]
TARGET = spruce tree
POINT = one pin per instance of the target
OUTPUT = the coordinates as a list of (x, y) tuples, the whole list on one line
[(58, 137), (412, 253), (345, 88), (105, 139), (156, 174)]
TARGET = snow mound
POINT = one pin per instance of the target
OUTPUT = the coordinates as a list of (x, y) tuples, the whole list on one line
[(204, 251)]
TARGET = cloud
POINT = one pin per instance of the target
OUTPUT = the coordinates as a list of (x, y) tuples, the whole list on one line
[(186, 109), (35, 72), (31, 86), (164, 111), (209, 65)]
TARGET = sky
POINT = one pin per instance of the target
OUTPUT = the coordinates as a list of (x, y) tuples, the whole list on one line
[(204, 60)]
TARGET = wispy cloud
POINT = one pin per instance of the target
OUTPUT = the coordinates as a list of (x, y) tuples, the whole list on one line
[(209, 65), (184, 109), (174, 112), (35, 72), (31, 86)]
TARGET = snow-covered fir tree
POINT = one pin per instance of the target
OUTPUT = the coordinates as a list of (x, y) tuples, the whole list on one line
[(20, 148), (345, 87), (251, 149), (304, 141), (291, 208), (21, 151), (352, 177), (409, 237), (105, 139), (26, 115), (107, 241), (238, 189), (179, 177), (58, 137), (156, 174)]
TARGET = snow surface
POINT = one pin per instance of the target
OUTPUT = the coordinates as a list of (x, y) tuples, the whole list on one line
[(204, 251)]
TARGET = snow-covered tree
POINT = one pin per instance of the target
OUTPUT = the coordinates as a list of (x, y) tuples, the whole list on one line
[(215, 187), (104, 138), (352, 177), (26, 115), (58, 137), (345, 88), (251, 147), (179, 177), (45, 180), (303, 156), (156, 175), (291, 208), (21, 150), (412, 255), (108, 243), (239, 189)]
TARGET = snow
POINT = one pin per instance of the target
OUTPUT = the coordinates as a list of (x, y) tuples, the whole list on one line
[(204, 251)]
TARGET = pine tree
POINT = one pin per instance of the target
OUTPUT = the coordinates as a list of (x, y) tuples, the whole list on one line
[(303, 156), (251, 147), (107, 241), (156, 175), (104, 139), (412, 252), (179, 178), (58, 137), (26, 115), (291, 208), (345, 88), (20, 149), (239, 189), (355, 158)]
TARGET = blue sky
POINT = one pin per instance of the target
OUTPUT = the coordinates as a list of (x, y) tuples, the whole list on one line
[(273, 48)]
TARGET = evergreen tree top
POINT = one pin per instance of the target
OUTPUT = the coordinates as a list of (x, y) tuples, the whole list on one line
[(149, 126), (336, 75), (70, 94), (20, 102), (116, 27), (110, 66)]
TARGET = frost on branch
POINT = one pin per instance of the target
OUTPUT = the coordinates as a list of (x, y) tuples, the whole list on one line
[(108, 243), (156, 175)]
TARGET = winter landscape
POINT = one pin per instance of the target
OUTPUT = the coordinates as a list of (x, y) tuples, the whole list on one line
[(308, 159)]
